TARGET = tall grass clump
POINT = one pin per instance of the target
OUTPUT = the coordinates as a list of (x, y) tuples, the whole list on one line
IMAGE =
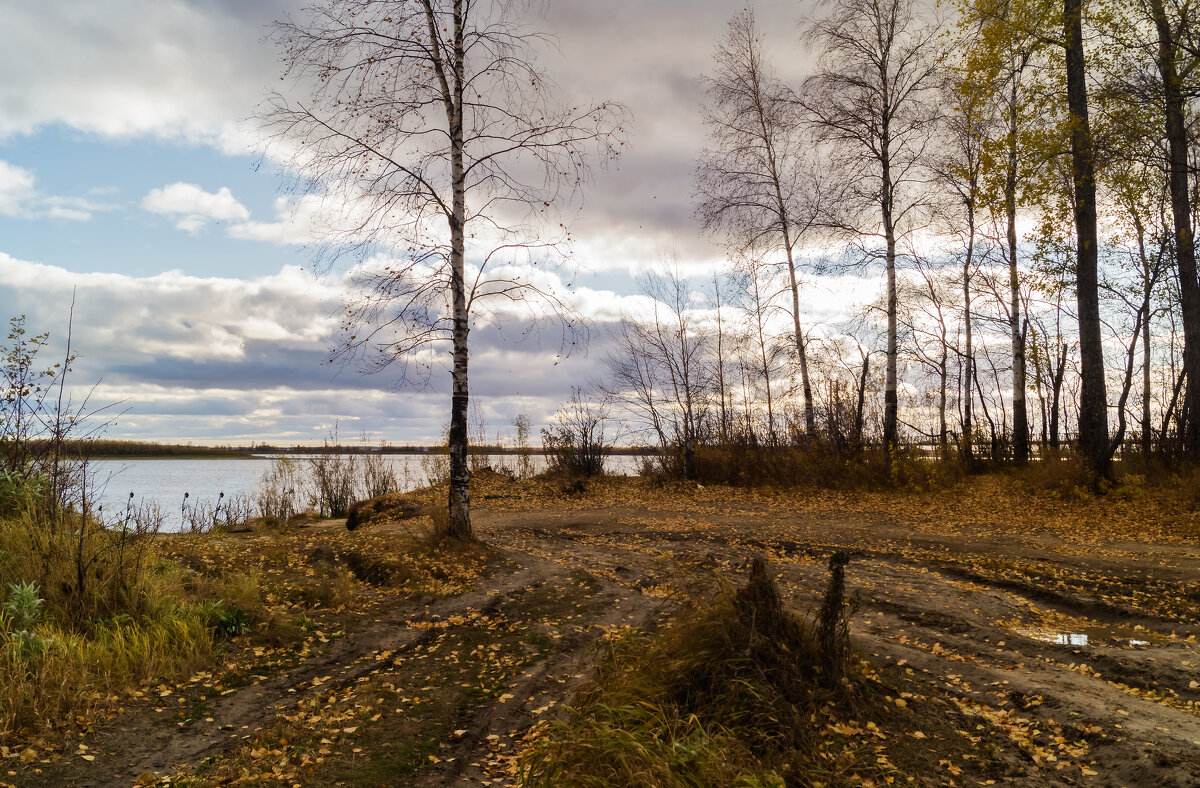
[(85, 614), (733, 693), (328, 482), (66, 673), (378, 475), (333, 480), (280, 492)]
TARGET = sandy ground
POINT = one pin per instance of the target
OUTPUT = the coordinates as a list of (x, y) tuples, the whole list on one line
[(1025, 660)]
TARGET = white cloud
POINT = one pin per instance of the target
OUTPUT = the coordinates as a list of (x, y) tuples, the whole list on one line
[(194, 71), (16, 190), (207, 357), (193, 208), (21, 199), (128, 320), (172, 69), (297, 222)]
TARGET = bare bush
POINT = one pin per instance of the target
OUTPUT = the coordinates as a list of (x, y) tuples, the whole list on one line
[(575, 444)]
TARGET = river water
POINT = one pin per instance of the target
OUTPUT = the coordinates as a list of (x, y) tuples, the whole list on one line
[(162, 483)]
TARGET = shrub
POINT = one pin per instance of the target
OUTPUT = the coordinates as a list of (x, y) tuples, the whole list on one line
[(24, 606), (333, 479), (1059, 472), (816, 464), (575, 444), (378, 475), (18, 491), (232, 622), (276, 493)]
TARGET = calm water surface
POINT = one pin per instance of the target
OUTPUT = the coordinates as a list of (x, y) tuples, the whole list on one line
[(164, 482)]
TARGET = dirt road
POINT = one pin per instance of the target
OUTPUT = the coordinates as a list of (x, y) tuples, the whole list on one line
[(1024, 659)]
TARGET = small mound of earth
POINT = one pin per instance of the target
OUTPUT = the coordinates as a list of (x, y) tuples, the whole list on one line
[(387, 508)]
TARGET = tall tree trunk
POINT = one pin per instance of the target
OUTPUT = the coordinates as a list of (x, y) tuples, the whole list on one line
[(890, 399), (1149, 277), (1060, 370), (969, 354), (764, 359), (944, 374), (1181, 210), (810, 421), (1147, 429), (1127, 381), (1039, 378), (987, 415), (1093, 408), (460, 473), (1020, 414), (721, 385), (862, 397), (1170, 413)]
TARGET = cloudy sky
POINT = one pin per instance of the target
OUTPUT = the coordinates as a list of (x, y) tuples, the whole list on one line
[(131, 176)]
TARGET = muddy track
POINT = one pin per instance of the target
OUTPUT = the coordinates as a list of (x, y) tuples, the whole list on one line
[(1132, 699), (149, 743), (998, 646)]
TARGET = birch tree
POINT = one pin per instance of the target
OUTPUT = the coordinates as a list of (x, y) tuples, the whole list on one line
[(429, 128), (1175, 50), (1005, 47), (960, 171), (1058, 28), (755, 183), (873, 101)]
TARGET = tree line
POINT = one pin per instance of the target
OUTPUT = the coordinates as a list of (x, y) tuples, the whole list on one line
[(1023, 175), (1021, 172)]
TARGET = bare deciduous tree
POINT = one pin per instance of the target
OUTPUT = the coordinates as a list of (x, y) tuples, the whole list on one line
[(873, 101), (659, 370), (961, 170), (430, 125), (755, 183), (925, 318)]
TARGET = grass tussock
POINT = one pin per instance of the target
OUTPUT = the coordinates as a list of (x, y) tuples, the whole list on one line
[(54, 680), (84, 571), (735, 693), (87, 614)]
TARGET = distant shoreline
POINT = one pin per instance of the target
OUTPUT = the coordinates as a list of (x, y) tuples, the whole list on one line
[(139, 450)]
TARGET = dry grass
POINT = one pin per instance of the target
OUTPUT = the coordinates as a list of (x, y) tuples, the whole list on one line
[(157, 609), (1133, 508), (54, 690), (108, 620), (729, 694)]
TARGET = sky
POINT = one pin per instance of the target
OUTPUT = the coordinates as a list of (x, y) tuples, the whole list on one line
[(133, 179)]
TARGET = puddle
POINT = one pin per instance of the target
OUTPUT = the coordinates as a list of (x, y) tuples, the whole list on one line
[(1087, 635)]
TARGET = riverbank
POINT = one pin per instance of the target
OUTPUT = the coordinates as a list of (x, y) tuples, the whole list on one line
[(1004, 634)]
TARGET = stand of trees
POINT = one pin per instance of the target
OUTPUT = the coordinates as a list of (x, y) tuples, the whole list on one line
[(1023, 175)]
